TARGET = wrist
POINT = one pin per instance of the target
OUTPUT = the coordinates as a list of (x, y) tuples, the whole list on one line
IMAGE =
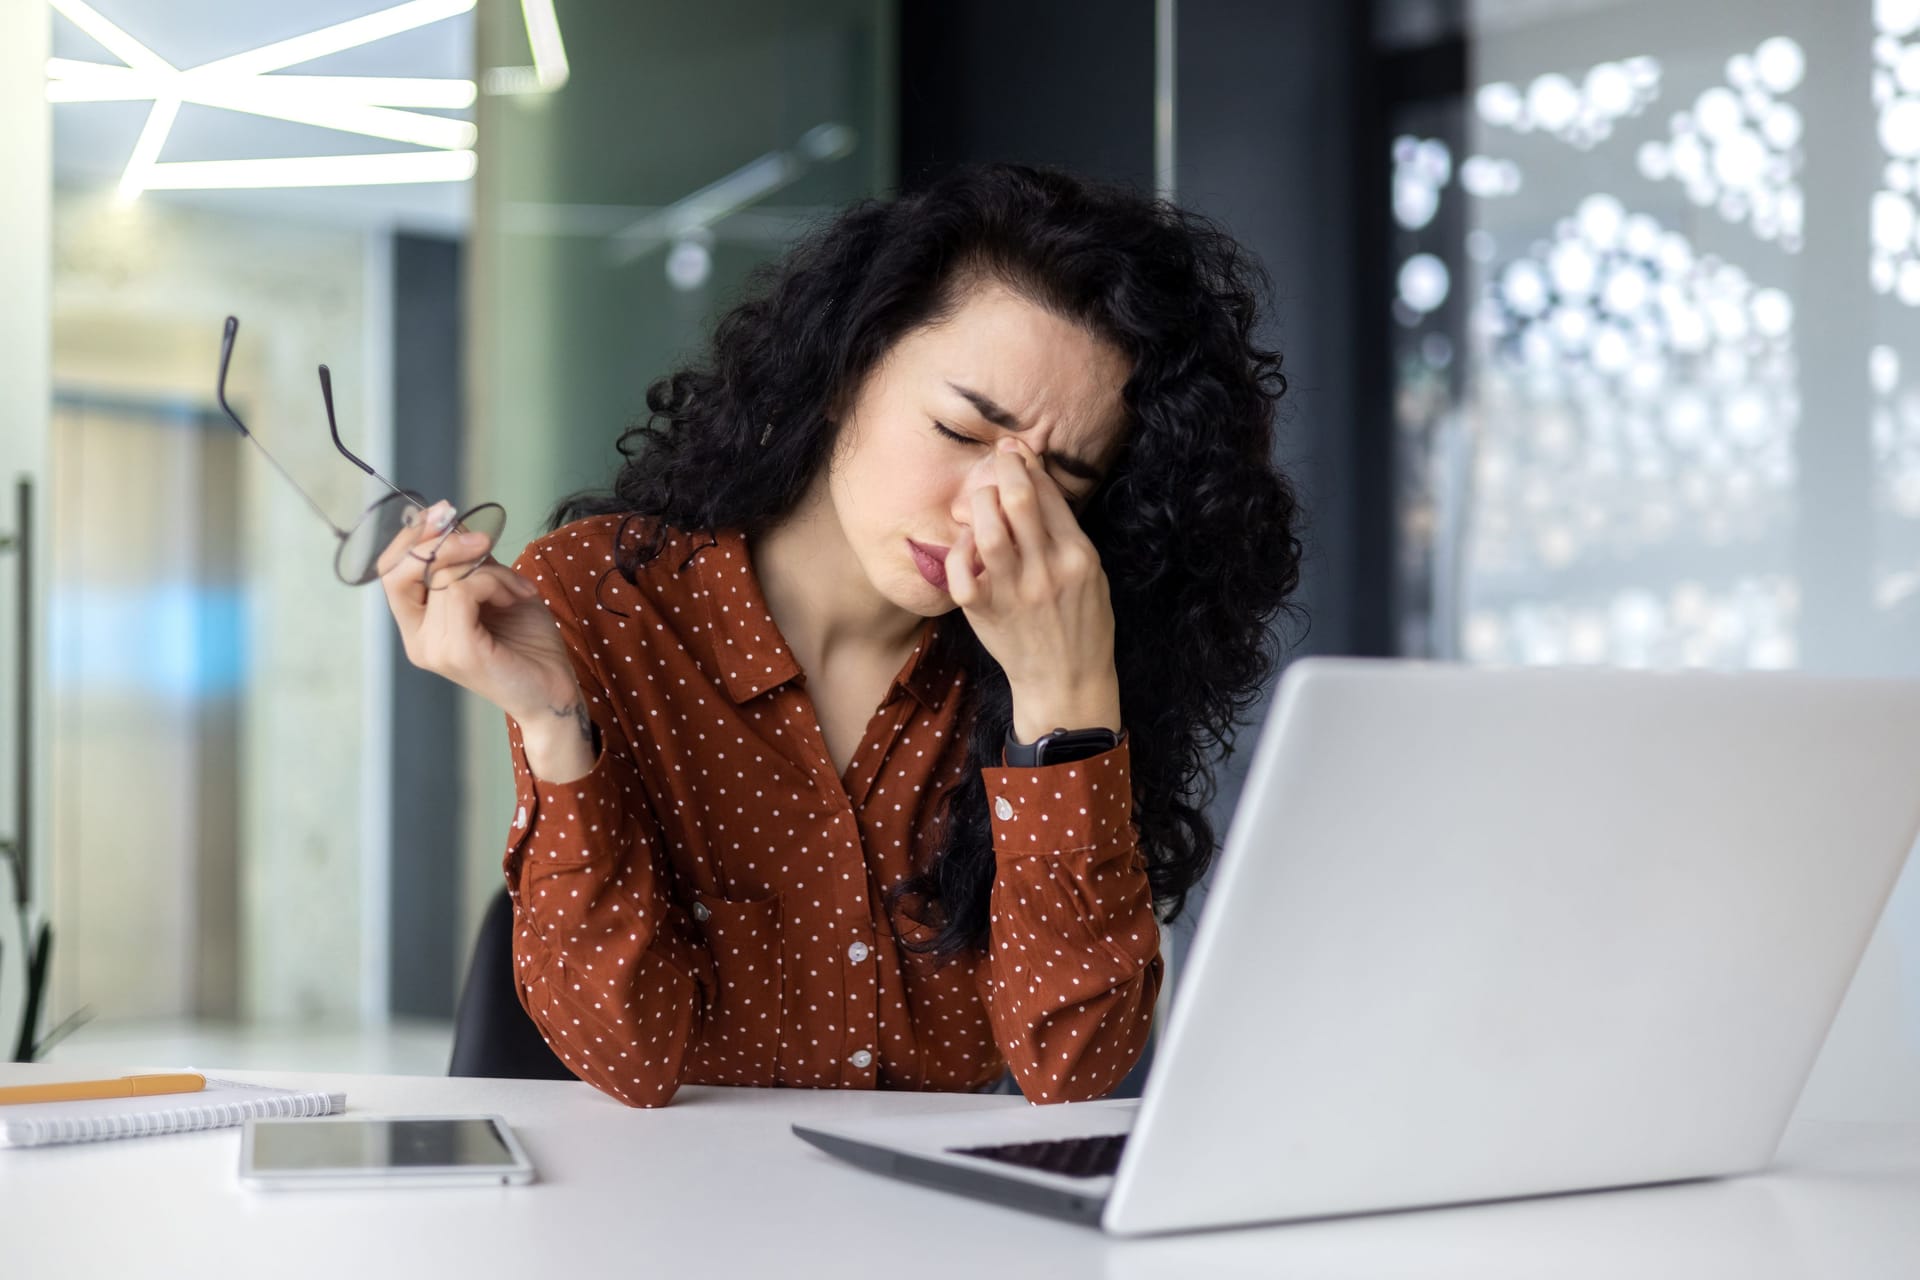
[(1036, 714), (561, 744)]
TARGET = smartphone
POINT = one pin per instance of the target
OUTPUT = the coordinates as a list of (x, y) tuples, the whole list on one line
[(381, 1151)]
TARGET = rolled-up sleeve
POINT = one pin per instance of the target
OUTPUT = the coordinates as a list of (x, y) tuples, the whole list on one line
[(605, 959), (1074, 964)]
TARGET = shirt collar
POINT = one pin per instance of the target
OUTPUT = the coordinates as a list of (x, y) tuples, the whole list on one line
[(927, 676), (753, 656)]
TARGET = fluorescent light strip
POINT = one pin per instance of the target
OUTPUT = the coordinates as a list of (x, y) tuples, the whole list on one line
[(72, 80), (235, 84), (159, 123), (753, 181), (550, 69), (118, 84), (109, 37), (543, 37), (380, 91), (320, 111), (383, 91), (345, 35), (373, 122), (313, 171)]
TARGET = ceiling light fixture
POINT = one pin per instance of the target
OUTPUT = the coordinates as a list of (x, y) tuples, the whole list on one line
[(264, 96), (694, 215), (335, 39), (549, 70), (73, 80), (313, 171), (367, 105)]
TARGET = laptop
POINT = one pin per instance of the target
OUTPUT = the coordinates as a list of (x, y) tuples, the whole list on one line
[(1483, 933)]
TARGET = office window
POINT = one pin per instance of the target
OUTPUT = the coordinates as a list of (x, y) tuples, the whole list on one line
[(1655, 269), (1656, 404)]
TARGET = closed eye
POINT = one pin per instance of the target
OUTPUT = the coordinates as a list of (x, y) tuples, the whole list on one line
[(1074, 500), (955, 435)]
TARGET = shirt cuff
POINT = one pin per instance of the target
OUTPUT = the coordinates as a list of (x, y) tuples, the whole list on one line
[(574, 817), (1057, 808)]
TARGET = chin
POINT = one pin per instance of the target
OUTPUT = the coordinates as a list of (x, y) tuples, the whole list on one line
[(917, 595)]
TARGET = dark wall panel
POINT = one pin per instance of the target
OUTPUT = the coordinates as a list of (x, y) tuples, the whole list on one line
[(427, 415), (1277, 136), (1067, 83)]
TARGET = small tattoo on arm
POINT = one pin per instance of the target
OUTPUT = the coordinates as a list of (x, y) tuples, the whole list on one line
[(580, 719)]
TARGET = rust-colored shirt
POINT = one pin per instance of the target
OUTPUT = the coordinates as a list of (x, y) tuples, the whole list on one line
[(706, 905)]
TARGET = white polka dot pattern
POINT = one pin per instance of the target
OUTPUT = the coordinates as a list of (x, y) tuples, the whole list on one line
[(705, 906)]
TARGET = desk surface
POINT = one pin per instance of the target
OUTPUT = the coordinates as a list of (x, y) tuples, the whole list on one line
[(715, 1185)]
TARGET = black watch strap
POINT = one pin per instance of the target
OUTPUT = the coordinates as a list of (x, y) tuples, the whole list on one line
[(1057, 746)]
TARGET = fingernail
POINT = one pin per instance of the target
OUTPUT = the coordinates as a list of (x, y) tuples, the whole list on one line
[(1009, 445), (442, 514)]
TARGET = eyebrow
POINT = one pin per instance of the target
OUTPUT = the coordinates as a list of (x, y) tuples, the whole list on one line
[(1072, 464)]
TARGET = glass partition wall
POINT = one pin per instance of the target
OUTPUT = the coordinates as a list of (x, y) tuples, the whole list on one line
[(616, 219), (230, 860)]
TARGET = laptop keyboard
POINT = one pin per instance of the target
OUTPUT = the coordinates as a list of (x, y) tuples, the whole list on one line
[(1073, 1157)]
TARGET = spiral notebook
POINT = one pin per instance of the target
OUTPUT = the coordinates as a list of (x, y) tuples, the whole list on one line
[(222, 1104)]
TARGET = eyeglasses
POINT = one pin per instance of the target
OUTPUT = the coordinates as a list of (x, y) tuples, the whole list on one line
[(358, 559)]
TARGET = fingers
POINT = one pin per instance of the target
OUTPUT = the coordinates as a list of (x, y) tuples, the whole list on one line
[(1021, 520), (1019, 495), (400, 562), (1056, 512), (454, 556), (962, 585), (453, 637), (993, 536)]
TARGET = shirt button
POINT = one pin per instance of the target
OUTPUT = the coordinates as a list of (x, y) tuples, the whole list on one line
[(700, 912), (857, 952), (862, 1059), (1001, 809)]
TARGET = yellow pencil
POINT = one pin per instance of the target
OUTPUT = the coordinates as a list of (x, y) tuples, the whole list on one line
[(124, 1087)]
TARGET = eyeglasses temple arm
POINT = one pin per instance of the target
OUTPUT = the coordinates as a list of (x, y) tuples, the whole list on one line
[(326, 394), (220, 393)]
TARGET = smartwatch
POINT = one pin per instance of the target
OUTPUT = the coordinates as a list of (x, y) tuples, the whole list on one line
[(1057, 746)]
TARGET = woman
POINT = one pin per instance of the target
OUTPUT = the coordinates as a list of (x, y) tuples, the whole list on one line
[(970, 467)]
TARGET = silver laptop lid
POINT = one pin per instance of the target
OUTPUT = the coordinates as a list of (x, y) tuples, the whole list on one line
[(1491, 932)]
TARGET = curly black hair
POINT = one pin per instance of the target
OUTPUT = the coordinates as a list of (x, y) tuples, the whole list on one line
[(1195, 524)]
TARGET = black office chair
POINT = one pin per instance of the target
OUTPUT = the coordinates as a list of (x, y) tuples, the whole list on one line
[(492, 1034)]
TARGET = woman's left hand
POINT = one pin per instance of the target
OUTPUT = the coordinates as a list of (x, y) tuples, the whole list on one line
[(1042, 608)]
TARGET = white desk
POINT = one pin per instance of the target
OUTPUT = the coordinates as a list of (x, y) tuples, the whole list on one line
[(716, 1186)]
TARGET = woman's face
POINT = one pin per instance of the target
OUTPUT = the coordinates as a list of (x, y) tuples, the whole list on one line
[(998, 366)]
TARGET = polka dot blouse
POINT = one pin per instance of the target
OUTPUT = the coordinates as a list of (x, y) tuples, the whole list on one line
[(706, 905)]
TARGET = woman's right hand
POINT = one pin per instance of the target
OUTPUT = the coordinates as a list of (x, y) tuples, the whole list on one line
[(488, 631)]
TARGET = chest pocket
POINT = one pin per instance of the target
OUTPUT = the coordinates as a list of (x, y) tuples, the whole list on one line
[(741, 1025)]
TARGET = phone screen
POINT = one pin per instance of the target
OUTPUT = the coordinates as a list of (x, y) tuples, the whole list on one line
[(463, 1143)]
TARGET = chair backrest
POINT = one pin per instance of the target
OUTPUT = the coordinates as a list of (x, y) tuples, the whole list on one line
[(492, 1034)]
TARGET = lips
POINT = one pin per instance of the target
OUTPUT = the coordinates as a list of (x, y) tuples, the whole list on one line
[(931, 561)]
